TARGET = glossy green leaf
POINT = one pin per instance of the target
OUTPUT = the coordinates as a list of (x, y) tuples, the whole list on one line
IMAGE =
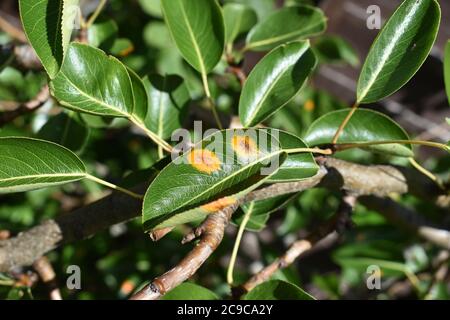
[(214, 174), (198, 30), (167, 104), (48, 26), (190, 291), (447, 69), (67, 130), (399, 50), (296, 166), (290, 23), (238, 19), (140, 98), (334, 49), (260, 211), (274, 81), (102, 34), (277, 290), (29, 164), (92, 82), (365, 126)]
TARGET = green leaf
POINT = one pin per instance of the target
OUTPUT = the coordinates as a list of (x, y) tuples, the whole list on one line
[(48, 26), (198, 30), (102, 34), (364, 126), (67, 130), (190, 291), (274, 81), (212, 175), (167, 103), (29, 164), (277, 290), (140, 98), (92, 82), (447, 69), (296, 166), (152, 7), (291, 23), (334, 49), (400, 49), (261, 211), (239, 19)]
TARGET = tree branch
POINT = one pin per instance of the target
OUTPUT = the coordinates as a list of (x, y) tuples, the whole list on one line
[(213, 230), (27, 247), (336, 225)]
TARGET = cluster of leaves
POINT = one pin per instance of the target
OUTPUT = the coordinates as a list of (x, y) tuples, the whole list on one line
[(95, 81)]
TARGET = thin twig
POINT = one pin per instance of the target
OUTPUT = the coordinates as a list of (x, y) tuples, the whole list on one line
[(11, 30), (28, 107), (45, 271), (337, 224)]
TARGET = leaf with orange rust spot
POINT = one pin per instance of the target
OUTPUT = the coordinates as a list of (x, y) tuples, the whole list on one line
[(218, 204), (212, 175)]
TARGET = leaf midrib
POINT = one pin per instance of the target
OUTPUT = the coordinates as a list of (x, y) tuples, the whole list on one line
[(272, 85), (194, 40), (55, 175), (115, 108), (282, 37)]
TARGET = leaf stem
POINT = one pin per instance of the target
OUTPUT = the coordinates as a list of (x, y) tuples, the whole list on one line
[(346, 146), (311, 150), (96, 13), (114, 187), (210, 100), (425, 172), (237, 243), (156, 139), (344, 123)]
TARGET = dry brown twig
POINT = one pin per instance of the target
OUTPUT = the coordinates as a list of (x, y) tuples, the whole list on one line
[(28, 107), (45, 271)]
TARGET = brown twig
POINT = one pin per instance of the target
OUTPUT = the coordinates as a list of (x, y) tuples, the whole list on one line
[(13, 31), (26, 57), (45, 271), (214, 228), (335, 225), (28, 107)]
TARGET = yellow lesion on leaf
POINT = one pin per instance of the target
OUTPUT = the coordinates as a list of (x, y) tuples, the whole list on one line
[(309, 105), (218, 204), (204, 160), (244, 146)]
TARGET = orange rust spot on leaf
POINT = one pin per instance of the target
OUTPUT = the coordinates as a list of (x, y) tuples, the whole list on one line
[(309, 105), (204, 160), (244, 146), (218, 204)]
